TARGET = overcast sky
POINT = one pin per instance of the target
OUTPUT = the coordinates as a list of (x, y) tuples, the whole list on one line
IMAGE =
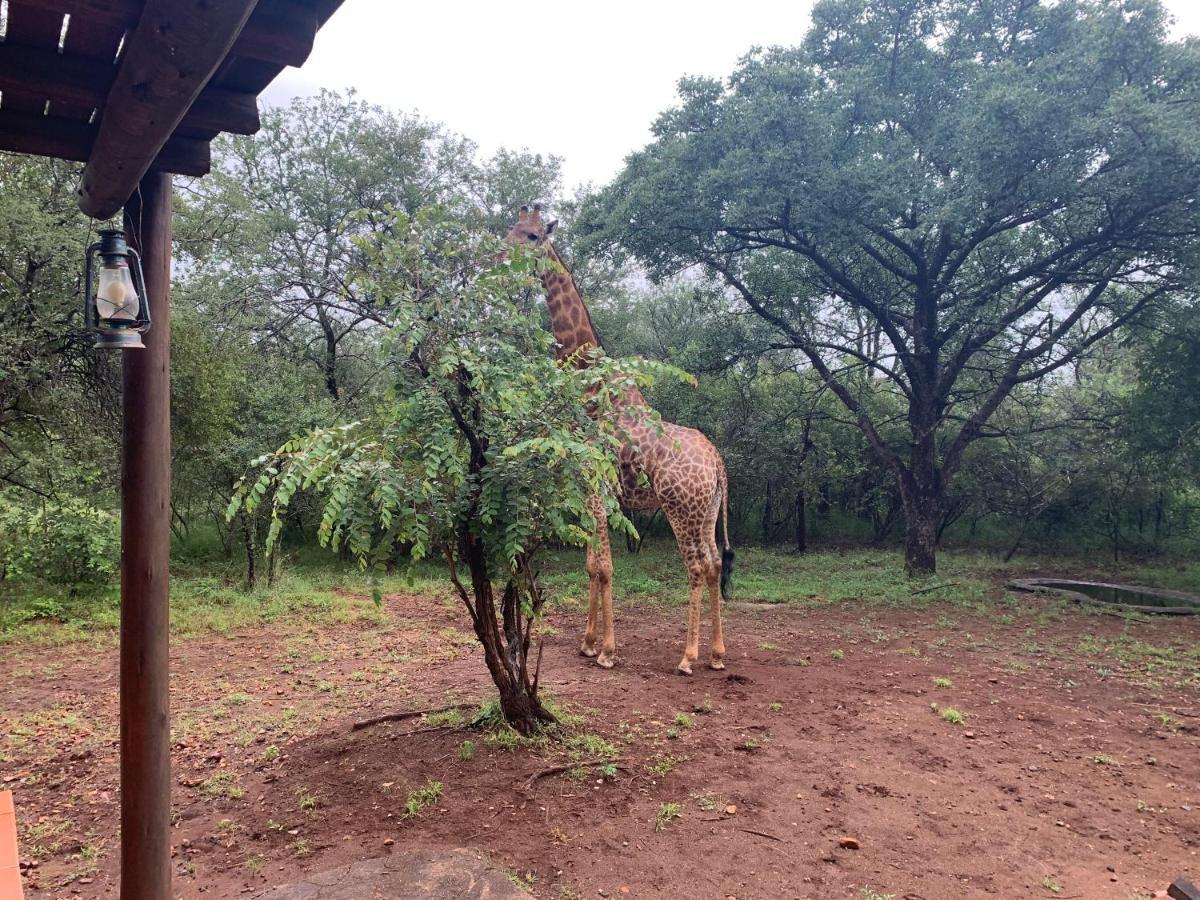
[(599, 72)]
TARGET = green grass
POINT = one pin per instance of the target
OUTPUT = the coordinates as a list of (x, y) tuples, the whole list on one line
[(664, 764), (424, 796), (591, 745), (667, 812), (223, 784), (207, 594), (202, 602), (953, 716)]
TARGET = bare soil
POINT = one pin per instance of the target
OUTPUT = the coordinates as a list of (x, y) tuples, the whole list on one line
[(1075, 774)]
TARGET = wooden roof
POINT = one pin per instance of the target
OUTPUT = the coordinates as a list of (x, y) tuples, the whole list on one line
[(126, 85)]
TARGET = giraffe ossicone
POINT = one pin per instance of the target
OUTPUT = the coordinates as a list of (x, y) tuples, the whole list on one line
[(684, 474)]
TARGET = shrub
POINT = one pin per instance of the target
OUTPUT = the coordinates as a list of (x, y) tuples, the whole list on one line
[(63, 541)]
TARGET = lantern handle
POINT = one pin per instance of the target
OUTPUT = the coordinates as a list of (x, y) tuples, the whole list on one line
[(89, 306), (140, 284)]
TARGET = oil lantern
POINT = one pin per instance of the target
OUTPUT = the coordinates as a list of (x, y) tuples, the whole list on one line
[(115, 306)]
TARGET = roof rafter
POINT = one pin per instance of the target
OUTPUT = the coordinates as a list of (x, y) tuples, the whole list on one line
[(167, 61), (77, 80)]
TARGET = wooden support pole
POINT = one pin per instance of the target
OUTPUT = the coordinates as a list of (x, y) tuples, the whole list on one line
[(145, 550)]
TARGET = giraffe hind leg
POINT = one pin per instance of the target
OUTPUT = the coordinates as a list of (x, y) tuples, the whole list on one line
[(717, 638), (692, 649)]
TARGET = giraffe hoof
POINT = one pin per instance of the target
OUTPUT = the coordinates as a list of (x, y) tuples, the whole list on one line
[(605, 661), (587, 651), (681, 669), (717, 664)]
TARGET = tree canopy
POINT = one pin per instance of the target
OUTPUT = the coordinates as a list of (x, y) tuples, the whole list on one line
[(954, 198)]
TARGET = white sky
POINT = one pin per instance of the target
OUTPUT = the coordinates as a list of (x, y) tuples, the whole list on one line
[(580, 80)]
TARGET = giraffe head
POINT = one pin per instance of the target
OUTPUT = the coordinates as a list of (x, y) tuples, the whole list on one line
[(530, 229)]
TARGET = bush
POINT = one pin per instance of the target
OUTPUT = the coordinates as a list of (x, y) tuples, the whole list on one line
[(61, 541)]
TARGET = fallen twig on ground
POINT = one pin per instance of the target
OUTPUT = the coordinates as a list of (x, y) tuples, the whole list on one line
[(413, 714), (936, 587), (567, 767), (763, 834)]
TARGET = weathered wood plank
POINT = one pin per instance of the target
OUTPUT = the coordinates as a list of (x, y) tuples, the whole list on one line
[(168, 59), (125, 12), (72, 139), (30, 26), (80, 83), (280, 32)]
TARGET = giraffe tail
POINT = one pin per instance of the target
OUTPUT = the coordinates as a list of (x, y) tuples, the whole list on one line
[(727, 552)]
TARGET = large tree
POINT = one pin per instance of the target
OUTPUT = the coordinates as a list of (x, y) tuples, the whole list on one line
[(956, 197)]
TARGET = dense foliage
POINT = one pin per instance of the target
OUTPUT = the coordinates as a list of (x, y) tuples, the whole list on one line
[(936, 234), (932, 204)]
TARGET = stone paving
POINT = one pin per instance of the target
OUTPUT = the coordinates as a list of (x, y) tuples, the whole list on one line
[(455, 874)]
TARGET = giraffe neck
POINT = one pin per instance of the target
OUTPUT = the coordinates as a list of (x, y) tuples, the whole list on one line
[(569, 317), (572, 323)]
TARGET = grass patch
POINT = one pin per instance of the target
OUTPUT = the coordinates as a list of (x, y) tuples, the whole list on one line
[(207, 592), (664, 764), (667, 813), (203, 601), (424, 796), (223, 785), (306, 800), (590, 745)]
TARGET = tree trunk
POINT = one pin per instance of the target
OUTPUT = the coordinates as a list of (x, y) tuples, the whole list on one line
[(801, 522), (506, 651), (922, 509), (248, 537), (329, 362), (1012, 551), (768, 512)]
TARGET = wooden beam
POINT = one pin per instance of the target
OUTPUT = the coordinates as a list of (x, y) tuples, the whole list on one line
[(82, 82), (167, 61), (280, 32), (71, 139), (123, 11), (218, 109), (145, 559)]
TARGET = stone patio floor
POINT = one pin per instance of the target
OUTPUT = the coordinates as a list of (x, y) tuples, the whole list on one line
[(454, 874)]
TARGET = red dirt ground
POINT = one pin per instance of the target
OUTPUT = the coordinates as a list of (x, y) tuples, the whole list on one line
[(1062, 782)]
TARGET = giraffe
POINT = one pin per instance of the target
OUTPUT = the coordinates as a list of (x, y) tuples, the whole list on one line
[(684, 474)]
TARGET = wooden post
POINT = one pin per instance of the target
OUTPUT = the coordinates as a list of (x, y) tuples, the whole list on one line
[(145, 549)]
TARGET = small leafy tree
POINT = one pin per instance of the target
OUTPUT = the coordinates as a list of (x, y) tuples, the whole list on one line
[(482, 452)]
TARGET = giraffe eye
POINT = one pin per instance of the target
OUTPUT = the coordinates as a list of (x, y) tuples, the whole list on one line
[(532, 236)]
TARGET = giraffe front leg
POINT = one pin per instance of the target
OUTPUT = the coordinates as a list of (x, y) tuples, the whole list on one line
[(588, 647), (600, 569), (692, 650), (608, 650)]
